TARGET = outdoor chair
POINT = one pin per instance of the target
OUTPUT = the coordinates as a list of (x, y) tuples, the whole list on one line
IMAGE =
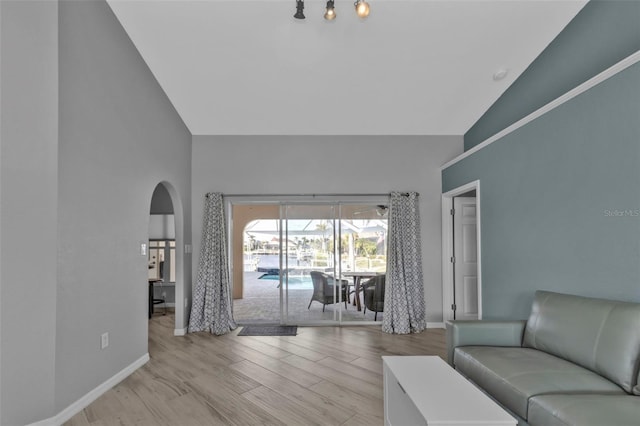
[(325, 291), (373, 291)]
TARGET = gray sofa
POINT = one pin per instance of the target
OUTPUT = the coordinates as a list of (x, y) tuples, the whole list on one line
[(575, 361)]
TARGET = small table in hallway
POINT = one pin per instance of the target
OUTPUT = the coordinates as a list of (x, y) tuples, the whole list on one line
[(357, 277)]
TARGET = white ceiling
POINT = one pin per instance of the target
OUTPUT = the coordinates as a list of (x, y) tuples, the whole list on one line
[(414, 67)]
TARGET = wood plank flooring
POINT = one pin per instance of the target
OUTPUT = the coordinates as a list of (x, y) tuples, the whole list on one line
[(322, 376)]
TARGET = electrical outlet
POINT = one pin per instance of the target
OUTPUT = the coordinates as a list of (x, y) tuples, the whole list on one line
[(143, 249), (186, 303), (104, 340)]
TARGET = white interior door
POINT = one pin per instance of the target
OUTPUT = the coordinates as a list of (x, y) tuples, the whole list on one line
[(465, 249)]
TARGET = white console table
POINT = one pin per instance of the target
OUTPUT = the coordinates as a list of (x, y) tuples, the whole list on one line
[(425, 390)]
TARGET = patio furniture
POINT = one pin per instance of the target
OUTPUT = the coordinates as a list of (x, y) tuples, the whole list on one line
[(374, 295), (155, 301), (357, 277), (325, 291)]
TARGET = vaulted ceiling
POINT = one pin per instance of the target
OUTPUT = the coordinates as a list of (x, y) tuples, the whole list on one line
[(414, 67)]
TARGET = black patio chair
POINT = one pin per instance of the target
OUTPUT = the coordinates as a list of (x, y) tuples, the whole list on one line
[(373, 291), (325, 291)]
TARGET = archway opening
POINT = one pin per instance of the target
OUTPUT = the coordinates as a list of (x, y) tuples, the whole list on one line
[(163, 265)]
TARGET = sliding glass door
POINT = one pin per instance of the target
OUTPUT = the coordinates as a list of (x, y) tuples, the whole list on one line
[(310, 249), (307, 262)]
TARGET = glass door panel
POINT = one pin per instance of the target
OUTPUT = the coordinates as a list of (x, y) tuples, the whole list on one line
[(364, 256), (281, 249), (260, 301), (309, 247)]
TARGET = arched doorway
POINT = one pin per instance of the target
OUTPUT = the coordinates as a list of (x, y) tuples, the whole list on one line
[(165, 255)]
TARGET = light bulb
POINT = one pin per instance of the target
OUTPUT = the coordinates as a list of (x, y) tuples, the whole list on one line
[(362, 8), (299, 7), (330, 13)]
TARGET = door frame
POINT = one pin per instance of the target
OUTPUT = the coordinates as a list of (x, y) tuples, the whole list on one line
[(300, 199), (183, 274), (447, 248)]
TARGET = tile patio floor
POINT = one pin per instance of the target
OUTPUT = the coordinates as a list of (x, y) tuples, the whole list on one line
[(261, 304)]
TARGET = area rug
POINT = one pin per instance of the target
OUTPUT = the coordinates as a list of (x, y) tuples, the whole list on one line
[(268, 330)]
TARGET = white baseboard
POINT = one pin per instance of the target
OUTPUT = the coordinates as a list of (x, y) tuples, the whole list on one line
[(436, 325), (87, 399), (180, 332)]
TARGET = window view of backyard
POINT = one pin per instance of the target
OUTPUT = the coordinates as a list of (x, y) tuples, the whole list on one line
[(291, 265)]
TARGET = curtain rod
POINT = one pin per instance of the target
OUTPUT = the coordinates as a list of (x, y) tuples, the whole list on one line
[(406, 194), (305, 195)]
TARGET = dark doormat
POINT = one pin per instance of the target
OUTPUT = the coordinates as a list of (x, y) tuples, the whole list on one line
[(269, 330)]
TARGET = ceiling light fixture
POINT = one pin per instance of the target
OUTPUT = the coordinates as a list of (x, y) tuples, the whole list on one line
[(299, 8), (330, 13), (362, 8)]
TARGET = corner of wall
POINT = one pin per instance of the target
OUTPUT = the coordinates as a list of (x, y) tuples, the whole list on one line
[(602, 34)]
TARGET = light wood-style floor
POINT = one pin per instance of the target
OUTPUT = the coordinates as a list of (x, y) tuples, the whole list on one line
[(322, 376)]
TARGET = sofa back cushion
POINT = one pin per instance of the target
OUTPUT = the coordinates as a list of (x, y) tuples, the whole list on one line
[(601, 335)]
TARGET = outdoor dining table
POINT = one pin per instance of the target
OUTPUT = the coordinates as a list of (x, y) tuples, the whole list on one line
[(357, 277)]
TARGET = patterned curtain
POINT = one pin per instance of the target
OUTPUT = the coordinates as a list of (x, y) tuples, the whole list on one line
[(404, 306), (211, 309)]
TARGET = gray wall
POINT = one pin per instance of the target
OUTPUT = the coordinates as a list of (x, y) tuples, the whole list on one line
[(161, 201), (162, 226), (119, 138), (549, 195), (28, 212), (81, 112), (602, 34), (330, 164)]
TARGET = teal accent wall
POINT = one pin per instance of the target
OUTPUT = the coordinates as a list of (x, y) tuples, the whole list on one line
[(602, 34), (560, 201)]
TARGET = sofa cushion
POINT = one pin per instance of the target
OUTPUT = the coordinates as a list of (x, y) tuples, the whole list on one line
[(601, 335), (584, 410), (513, 375)]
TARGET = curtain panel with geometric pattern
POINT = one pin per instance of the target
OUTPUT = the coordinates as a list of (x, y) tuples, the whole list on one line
[(404, 304), (211, 309)]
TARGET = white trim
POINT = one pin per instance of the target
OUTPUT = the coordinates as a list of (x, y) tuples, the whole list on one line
[(180, 332), (88, 398), (604, 75), (436, 325), (447, 247)]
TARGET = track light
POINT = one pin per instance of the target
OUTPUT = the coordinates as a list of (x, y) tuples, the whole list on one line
[(299, 7), (330, 13), (362, 8)]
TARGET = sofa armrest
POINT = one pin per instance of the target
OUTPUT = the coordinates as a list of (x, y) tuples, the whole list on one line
[(483, 333)]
